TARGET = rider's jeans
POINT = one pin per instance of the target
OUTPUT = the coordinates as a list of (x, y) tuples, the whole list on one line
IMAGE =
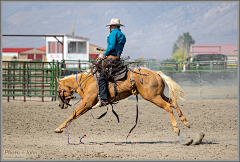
[(103, 88)]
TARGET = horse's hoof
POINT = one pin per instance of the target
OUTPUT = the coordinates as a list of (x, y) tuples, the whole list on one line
[(187, 124), (199, 139), (58, 130), (188, 142), (177, 131)]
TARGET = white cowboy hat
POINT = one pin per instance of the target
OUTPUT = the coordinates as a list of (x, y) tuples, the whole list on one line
[(114, 21)]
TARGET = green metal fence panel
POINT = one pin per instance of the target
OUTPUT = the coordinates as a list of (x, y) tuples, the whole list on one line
[(29, 79)]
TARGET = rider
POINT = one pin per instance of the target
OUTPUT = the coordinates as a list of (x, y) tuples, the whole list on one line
[(116, 41)]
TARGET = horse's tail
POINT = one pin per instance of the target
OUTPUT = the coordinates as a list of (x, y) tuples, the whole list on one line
[(175, 91)]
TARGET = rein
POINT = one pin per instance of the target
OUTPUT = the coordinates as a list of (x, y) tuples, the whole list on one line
[(136, 118), (114, 112), (140, 73)]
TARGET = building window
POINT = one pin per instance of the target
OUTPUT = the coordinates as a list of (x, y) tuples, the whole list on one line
[(54, 47), (72, 46), (77, 47), (39, 56), (30, 56)]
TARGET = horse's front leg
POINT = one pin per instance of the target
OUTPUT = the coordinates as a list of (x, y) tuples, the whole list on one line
[(84, 106)]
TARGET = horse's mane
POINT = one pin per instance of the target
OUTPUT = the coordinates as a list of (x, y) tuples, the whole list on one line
[(73, 76)]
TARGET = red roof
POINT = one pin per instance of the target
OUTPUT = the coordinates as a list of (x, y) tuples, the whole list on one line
[(227, 49), (42, 48), (15, 49)]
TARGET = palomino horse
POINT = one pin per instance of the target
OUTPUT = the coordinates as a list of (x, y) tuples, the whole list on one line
[(150, 87)]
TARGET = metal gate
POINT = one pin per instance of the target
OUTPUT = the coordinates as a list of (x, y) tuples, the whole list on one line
[(29, 80)]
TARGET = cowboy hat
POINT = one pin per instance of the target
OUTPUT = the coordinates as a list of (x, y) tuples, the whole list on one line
[(114, 21)]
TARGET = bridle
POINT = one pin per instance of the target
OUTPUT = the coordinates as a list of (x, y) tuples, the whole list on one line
[(63, 98)]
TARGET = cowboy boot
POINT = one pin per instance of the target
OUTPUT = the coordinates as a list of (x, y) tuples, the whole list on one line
[(100, 103)]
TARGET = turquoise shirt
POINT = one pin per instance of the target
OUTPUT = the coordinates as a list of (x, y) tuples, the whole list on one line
[(115, 41)]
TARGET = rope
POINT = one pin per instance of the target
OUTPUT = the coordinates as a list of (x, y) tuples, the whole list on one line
[(80, 142)]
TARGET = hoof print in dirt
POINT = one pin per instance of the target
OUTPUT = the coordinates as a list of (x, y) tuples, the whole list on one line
[(199, 139)]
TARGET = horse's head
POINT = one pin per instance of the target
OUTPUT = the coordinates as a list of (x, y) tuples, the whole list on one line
[(64, 93)]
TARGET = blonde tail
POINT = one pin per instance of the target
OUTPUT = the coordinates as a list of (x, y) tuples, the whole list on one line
[(175, 91)]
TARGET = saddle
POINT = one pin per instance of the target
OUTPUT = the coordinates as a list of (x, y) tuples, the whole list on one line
[(118, 75)]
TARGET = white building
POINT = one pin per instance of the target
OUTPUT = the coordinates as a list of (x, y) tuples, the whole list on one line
[(74, 47)]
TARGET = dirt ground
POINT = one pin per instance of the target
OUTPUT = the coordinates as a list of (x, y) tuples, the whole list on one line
[(28, 131)]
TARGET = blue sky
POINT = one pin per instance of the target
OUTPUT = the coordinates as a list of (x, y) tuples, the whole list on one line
[(151, 28)]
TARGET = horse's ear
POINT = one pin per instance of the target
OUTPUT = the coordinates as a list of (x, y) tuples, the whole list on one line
[(58, 80)]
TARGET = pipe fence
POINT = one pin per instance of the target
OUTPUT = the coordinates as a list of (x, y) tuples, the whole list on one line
[(36, 80), (29, 79)]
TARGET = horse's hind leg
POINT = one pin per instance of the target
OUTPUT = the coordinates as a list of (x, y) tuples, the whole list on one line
[(179, 112), (84, 106), (159, 101)]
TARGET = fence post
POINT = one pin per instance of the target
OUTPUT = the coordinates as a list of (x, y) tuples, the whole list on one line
[(55, 80), (176, 67), (13, 79), (24, 98), (57, 76), (42, 81), (8, 82), (225, 64), (211, 66), (180, 67), (27, 80), (60, 70), (79, 64), (63, 66), (51, 85), (188, 67)]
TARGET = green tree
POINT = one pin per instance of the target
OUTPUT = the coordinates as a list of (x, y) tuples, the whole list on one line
[(175, 47), (180, 55), (188, 40), (14, 57), (183, 42)]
